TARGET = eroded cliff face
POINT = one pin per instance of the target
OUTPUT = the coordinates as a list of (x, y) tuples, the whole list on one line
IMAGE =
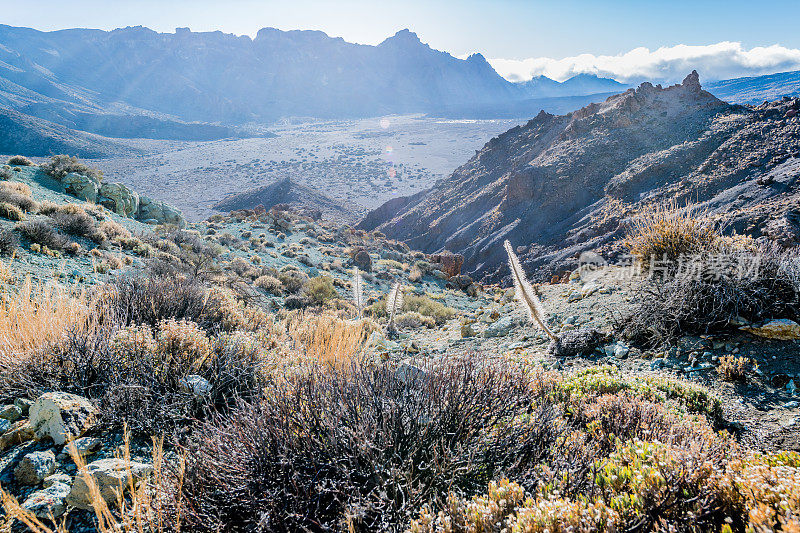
[(560, 185)]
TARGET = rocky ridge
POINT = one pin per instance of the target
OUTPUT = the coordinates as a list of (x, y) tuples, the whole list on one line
[(561, 185)]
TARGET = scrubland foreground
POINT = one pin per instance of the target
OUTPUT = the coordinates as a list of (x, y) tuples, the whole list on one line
[(270, 371)]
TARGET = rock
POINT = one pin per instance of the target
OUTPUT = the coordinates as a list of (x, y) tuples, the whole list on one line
[(5, 425), (59, 477), (49, 501), (450, 263), (196, 385), (123, 201), (500, 328), (20, 432), (85, 446), (362, 259), (407, 372), (111, 476), (781, 329), (461, 282), (163, 213), (61, 416), (467, 331), (34, 467), (581, 341), (590, 288), (24, 405), (84, 187), (794, 404), (12, 413)]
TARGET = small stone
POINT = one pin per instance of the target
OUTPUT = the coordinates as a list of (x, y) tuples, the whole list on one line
[(59, 477), (24, 405), (4, 425), (11, 413), (85, 446), (34, 467), (49, 501), (792, 404), (196, 385), (501, 328), (20, 432)]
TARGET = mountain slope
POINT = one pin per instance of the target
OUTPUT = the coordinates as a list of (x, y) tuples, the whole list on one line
[(757, 89), (560, 185), (23, 134)]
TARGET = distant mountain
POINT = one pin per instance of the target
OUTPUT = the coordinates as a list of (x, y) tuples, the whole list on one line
[(288, 192), (222, 78), (757, 89), (563, 184), (580, 85), (23, 134)]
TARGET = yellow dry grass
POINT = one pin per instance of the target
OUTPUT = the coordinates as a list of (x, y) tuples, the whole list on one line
[(669, 231), (327, 339), (37, 314)]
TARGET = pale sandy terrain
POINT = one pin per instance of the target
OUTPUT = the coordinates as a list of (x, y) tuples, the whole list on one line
[(363, 162)]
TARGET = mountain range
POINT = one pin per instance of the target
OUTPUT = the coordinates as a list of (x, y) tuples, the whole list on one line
[(564, 184)]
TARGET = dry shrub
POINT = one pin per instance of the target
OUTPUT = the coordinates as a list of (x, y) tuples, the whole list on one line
[(35, 315), (668, 231), (141, 299), (714, 298), (270, 284), (327, 339), (17, 187), (74, 220), (412, 319), (43, 233), (9, 242), (293, 280), (11, 212), (19, 161), (61, 165), (319, 289), (18, 194), (361, 448)]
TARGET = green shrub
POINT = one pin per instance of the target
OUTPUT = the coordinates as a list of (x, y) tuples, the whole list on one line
[(319, 289)]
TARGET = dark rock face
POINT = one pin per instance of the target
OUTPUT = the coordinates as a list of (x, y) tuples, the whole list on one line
[(561, 185), (448, 262), (362, 259), (578, 342)]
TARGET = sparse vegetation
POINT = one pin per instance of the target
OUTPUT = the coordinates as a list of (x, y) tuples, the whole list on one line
[(61, 165), (19, 161), (43, 233)]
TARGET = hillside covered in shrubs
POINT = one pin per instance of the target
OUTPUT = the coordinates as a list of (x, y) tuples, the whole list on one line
[(274, 371)]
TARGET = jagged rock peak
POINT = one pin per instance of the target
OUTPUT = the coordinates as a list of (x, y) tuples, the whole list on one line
[(692, 81)]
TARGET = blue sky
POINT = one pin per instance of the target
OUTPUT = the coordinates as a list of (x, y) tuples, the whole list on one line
[(500, 29)]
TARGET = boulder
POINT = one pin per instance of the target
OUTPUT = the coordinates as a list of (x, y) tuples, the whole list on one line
[(782, 329), (59, 477), (119, 198), (500, 328), (362, 259), (85, 446), (161, 212), (84, 187), (34, 467), (450, 263), (581, 341), (49, 501), (111, 476), (61, 416)]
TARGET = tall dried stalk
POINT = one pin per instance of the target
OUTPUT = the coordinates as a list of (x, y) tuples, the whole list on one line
[(524, 293)]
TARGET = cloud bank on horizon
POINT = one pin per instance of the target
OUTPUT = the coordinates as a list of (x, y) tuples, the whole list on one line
[(718, 61)]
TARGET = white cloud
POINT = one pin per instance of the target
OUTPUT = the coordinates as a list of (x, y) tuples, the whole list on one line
[(666, 65)]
